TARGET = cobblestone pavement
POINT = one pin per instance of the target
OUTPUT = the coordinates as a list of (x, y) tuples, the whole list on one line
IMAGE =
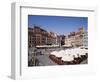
[(44, 60)]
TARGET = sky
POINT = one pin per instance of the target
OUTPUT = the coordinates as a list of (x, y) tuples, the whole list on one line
[(58, 24)]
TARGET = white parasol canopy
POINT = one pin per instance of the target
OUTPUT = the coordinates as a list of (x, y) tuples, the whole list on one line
[(67, 58), (60, 53)]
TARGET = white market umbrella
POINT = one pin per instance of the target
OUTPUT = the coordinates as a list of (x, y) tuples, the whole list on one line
[(60, 53), (67, 58), (54, 53), (76, 52), (82, 52)]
